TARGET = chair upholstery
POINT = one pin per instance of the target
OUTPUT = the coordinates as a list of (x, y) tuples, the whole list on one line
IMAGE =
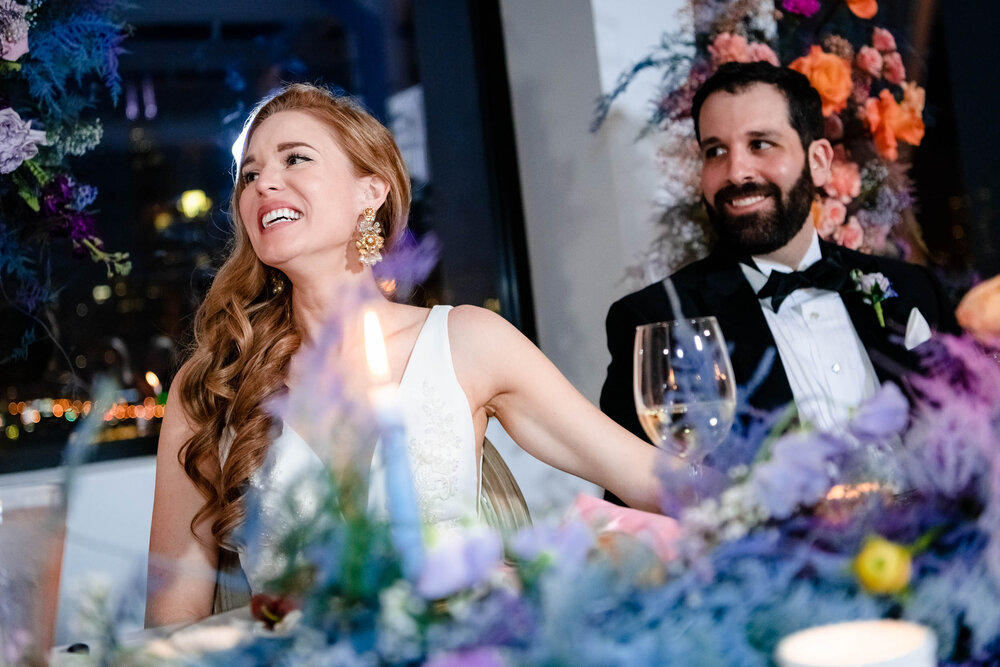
[(501, 506)]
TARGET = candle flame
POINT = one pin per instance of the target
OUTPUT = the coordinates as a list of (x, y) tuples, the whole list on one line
[(378, 364), (151, 379)]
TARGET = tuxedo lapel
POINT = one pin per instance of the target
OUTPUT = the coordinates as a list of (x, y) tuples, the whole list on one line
[(725, 293), (888, 355)]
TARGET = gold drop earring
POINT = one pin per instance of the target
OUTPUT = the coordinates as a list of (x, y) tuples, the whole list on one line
[(276, 282), (370, 239)]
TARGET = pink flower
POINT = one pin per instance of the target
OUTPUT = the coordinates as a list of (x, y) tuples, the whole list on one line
[(861, 88), (728, 48), (894, 70), (869, 60), (845, 180), (14, 36), (658, 532), (828, 216), (758, 52), (883, 40), (801, 7), (850, 235)]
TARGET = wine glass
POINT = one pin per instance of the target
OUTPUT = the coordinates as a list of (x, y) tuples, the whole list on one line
[(684, 389)]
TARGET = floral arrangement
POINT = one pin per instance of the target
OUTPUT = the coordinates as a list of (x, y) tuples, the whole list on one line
[(54, 58), (897, 517), (868, 106)]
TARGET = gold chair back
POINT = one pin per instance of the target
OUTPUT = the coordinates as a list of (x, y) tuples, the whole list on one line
[(501, 503)]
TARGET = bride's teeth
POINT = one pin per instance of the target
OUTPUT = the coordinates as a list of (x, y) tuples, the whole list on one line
[(279, 214)]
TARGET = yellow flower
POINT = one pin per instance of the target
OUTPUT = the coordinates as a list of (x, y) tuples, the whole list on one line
[(883, 566)]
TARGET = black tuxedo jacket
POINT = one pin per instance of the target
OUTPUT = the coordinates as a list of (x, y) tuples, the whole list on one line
[(716, 286)]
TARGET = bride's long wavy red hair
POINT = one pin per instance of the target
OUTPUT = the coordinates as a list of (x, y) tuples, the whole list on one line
[(244, 334)]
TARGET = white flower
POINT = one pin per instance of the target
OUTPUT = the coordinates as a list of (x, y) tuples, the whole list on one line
[(868, 281), (18, 142)]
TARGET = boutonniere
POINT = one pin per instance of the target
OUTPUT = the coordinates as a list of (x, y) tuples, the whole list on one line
[(875, 288)]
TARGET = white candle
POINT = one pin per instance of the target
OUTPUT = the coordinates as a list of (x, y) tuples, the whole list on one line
[(404, 511), (874, 643)]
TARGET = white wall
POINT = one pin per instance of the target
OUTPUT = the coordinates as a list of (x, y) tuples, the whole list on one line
[(588, 198)]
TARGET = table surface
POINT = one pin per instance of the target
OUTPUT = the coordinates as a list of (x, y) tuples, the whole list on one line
[(175, 640)]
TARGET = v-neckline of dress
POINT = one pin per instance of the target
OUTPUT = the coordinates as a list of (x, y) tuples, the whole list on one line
[(402, 379)]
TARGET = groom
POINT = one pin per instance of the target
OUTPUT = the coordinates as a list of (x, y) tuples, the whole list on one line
[(771, 282)]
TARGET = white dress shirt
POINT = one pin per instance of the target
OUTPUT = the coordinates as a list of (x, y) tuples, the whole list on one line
[(827, 366)]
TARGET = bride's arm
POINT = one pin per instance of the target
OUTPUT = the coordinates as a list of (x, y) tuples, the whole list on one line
[(181, 564), (511, 379)]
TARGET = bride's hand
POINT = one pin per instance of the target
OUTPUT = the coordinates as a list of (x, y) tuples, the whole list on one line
[(979, 311)]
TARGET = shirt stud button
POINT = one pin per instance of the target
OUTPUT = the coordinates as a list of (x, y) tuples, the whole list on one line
[(835, 368), (814, 316)]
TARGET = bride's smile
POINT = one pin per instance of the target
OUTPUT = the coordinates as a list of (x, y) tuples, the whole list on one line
[(299, 195)]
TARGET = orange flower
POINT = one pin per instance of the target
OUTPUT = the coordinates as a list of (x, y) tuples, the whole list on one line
[(830, 75), (864, 9), (877, 115), (888, 121), (910, 123), (979, 311)]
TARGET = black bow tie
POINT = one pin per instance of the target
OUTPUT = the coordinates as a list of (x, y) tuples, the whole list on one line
[(826, 274)]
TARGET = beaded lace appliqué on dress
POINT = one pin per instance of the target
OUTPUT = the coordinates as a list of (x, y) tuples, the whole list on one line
[(435, 454)]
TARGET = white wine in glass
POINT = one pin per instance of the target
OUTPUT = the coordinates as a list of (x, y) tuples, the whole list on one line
[(685, 393)]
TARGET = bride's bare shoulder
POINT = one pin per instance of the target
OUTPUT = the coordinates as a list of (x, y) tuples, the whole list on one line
[(476, 324)]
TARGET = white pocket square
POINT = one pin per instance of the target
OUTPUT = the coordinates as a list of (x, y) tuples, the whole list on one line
[(917, 330)]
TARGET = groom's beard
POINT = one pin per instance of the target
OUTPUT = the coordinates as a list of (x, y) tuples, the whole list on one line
[(762, 232)]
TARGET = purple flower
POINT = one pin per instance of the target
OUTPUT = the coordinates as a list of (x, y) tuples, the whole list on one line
[(80, 226), (459, 561), (883, 415), (18, 142), (568, 543), (475, 657), (409, 261), (801, 7), (943, 454), (798, 472)]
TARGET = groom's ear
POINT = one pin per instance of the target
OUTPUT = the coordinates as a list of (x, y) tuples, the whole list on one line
[(820, 159)]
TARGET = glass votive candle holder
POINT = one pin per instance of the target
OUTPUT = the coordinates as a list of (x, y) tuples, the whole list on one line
[(32, 533)]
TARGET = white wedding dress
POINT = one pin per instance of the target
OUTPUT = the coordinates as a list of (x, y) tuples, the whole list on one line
[(440, 442)]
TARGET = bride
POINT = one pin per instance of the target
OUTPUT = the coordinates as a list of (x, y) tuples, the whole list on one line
[(319, 178)]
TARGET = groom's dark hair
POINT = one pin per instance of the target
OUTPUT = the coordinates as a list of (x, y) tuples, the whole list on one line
[(805, 109)]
